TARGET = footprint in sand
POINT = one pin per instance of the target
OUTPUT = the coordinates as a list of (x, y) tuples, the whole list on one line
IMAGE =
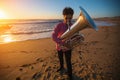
[(39, 60)]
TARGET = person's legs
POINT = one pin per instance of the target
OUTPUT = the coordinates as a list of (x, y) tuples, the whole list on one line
[(60, 56), (68, 62)]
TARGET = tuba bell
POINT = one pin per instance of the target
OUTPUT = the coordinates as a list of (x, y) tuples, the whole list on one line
[(72, 37)]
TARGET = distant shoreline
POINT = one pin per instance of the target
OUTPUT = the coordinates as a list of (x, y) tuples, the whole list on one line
[(115, 20)]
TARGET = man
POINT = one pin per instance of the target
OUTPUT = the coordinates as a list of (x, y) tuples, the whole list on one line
[(61, 49)]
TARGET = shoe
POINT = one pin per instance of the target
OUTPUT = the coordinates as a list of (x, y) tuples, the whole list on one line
[(70, 78)]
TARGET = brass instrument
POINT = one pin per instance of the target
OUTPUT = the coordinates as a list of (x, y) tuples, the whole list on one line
[(72, 37)]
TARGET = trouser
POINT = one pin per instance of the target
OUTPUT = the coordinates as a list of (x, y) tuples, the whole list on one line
[(67, 59)]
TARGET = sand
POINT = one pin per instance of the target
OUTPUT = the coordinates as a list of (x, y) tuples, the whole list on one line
[(96, 59)]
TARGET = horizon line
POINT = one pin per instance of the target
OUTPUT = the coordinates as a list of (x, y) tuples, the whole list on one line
[(53, 18)]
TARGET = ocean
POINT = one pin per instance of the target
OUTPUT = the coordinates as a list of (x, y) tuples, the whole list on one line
[(30, 29)]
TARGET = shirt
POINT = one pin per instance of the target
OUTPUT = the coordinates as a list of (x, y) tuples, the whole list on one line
[(58, 31)]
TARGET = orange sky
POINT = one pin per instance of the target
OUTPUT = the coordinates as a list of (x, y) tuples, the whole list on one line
[(52, 9)]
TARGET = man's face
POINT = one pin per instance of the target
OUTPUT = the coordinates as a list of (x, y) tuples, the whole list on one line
[(67, 18)]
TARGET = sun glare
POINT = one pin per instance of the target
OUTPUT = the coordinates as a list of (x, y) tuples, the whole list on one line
[(2, 15), (7, 38)]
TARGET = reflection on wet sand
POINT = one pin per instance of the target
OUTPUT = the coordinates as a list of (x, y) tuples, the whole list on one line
[(6, 38)]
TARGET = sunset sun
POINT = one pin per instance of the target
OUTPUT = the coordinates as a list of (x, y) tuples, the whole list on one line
[(2, 15)]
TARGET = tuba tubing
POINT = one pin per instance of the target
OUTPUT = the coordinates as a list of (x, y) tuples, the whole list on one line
[(82, 22)]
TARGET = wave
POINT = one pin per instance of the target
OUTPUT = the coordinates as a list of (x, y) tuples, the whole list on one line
[(31, 32), (34, 21)]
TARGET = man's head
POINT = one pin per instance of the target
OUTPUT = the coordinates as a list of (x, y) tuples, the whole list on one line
[(67, 11), (68, 14)]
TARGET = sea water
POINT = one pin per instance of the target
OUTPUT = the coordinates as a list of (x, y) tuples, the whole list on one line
[(30, 29)]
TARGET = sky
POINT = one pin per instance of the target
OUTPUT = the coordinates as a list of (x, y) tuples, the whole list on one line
[(52, 9)]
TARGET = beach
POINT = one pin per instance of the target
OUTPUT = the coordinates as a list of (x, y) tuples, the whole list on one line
[(97, 58)]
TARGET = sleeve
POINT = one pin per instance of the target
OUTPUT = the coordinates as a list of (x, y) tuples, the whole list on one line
[(55, 35)]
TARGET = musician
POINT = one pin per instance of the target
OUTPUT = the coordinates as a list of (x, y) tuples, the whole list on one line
[(61, 48)]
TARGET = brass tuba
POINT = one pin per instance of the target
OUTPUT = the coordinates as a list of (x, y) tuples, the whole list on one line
[(72, 37)]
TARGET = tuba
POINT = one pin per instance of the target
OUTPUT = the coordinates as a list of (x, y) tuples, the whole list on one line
[(72, 37)]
